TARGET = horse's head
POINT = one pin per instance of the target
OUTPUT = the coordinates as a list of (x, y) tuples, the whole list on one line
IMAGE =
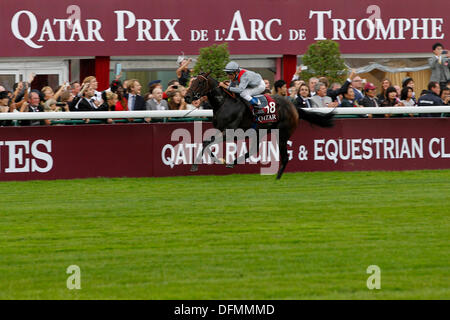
[(200, 87)]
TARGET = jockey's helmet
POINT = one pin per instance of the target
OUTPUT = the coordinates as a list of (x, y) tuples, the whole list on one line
[(231, 67)]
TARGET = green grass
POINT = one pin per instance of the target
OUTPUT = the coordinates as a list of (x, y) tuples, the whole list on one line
[(308, 236)]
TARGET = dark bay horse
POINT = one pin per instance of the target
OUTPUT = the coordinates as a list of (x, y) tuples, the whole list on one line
[(230, 111)]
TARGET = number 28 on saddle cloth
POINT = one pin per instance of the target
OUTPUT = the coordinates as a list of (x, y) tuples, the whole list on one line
[(267, 111)]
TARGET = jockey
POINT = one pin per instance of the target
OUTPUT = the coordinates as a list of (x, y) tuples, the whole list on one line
[(246, 83)]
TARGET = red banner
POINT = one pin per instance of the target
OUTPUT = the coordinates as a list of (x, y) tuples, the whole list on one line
[(169, 27), (146, 150)]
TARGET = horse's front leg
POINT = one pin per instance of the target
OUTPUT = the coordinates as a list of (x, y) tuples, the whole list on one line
[(206, 146)]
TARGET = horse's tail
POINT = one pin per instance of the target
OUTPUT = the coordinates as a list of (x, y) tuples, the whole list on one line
[(321, 119)]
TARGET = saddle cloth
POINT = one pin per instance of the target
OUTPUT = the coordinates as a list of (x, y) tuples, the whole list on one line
[(269, 107)]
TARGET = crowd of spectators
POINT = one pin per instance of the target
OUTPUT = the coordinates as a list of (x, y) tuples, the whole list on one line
[(317, 93), (312, 93), (84, 96)]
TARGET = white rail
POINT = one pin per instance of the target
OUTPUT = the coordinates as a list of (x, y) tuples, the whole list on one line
[(388, 110), (201, 113)]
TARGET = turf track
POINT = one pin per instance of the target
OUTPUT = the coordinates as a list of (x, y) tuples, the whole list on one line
[(308, 236)]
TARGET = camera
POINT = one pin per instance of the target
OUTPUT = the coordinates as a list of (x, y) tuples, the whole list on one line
[(175, 87)]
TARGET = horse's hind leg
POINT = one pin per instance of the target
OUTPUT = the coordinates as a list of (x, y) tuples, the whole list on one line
[(284, 157), (254, 149)]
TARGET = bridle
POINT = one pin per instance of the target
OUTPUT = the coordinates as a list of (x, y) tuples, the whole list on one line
[(197, 95)]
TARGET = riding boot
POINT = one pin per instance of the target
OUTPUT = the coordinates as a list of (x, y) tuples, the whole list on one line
[(255, 102), (257, 110)]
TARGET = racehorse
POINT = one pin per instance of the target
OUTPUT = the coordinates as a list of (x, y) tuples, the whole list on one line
[(230, 111)]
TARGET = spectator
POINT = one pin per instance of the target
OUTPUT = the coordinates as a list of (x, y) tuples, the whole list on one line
[(87, 102), (92, 81), (357, 85), (104, 106), (74, 104), (172, 86), (303, 98), (4, 102), (280, 88), (75, 88), (183, 90), (297, 73), (157, 102), (33, 105), (423, 92), (122, 103), (293, 89), (321, 100), (151, 86), (370, 100), (111, 99), (135, 100), (183, 72), (406, 97), (267, 89), (392, 100), (336, 93), (50, 106), (439, 65), (431, 98), (176, 101), (47, 93), (20, 95), (312, 85), (408, 82), (386, 83), (399, 90), (335, 86), (349, 99), (325, 81), (445, 96), (66, 99), (4, 107), (115, 84)]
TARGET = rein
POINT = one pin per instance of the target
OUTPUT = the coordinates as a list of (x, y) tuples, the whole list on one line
[(231, 94)]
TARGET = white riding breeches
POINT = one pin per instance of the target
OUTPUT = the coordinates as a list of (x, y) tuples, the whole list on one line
[(248, 93)]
